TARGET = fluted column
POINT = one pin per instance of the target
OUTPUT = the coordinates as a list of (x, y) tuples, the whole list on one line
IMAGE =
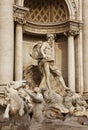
[(79, 61), (6, 41), (19, 47), (85, 44), (19, 52), (71, 61)]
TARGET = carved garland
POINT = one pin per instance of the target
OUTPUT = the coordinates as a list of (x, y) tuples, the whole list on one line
[(74, 6)]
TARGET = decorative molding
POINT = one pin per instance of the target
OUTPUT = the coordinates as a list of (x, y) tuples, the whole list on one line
[(20, 20), (48, 28), (74, 6), (71, 33)]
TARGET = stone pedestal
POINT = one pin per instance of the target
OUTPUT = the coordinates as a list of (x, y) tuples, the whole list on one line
[(6, 41)]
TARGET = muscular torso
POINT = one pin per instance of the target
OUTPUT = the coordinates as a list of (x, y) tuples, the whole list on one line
[(47, 52)]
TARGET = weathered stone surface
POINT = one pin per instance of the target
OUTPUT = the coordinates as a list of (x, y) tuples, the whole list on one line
[(69, 124)]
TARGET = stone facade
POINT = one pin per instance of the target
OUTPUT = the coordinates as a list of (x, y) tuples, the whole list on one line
[(30, 21)]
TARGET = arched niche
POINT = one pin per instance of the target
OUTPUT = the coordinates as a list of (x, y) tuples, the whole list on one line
[(47, 12), (68, 6), (51, 16)]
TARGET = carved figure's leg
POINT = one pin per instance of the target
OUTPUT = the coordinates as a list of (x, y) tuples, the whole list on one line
[(58, 73), (62, 82), (21, 111), (6, 113), (42, 84), (47, 74)]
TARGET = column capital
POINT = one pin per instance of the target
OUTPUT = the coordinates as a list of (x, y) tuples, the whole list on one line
[(21, 21), (20, 14), (19, 2), (71, 33), (80, 25)]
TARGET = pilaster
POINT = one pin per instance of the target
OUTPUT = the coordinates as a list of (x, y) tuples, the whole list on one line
[(85, 45), (6, 41)]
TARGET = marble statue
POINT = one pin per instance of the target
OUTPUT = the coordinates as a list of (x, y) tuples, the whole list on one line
[(38, 106), (76, 104), (14, 101), (44, 53), (54, 104)]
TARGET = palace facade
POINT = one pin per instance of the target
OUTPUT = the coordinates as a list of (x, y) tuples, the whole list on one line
[(24, 22)]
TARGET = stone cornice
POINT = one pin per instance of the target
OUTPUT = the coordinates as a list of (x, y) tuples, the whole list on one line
[(68, 25)]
